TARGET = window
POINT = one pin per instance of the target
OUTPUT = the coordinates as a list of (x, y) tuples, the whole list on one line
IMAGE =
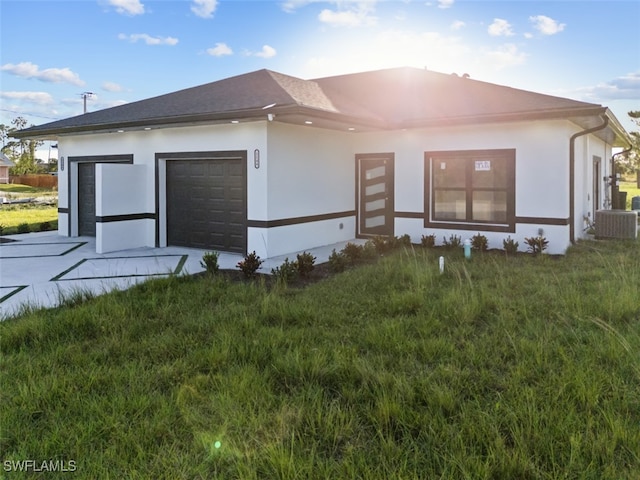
[(470, 189)]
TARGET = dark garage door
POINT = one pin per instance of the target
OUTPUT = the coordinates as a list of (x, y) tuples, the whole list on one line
[(206, 204), (87, 199)]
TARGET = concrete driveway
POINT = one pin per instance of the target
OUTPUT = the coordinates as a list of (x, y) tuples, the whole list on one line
[(41, 269)]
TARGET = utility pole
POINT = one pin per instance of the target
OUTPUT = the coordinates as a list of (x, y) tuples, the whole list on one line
[(84, 96)]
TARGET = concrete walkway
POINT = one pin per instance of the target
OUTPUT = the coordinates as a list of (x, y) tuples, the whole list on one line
[(41, 269)]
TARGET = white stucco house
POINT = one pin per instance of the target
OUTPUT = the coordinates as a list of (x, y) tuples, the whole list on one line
[(277, 164)]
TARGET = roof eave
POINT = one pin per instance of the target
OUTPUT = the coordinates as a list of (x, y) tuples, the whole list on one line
[(502, 117)]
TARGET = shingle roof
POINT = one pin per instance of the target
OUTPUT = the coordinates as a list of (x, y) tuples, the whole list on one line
[(391, 98), (5, 161)]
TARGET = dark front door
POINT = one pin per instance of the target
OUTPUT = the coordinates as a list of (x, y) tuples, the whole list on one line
[(87, 199), (206, 204), (375, 194)]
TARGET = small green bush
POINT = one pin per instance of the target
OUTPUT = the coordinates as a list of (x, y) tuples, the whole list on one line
[(536, 245), (305, 263), (510, 246), (479, 242), (210, 262), (369, 250), (337, 261), (352, 253), (380, 243), (24, 228), (250, 265), (428, 241), (453, 242), (287, 272), (402, 241)]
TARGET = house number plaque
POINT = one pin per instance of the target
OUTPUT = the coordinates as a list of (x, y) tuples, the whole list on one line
[(256, 158)]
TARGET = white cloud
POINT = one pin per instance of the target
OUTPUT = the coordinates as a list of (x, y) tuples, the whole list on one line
[(507, 55), (148, 39), (626, 87), (445, 3), (204, 8), (350, 14), (546, 25), (266, 52), (290, 6), (500, 28), (127, 7), (51, 75), (38, 98), (220, 50), (112, 87), (457, 25)]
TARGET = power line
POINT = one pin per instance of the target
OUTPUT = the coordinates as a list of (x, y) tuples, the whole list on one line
[(29, 114)]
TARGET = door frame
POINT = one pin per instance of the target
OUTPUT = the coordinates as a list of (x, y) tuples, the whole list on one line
[(72, 184), (596, 194), (389, 211), (161, 159)]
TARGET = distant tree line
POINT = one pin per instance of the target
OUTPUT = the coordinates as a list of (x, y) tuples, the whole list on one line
[(23, 152)]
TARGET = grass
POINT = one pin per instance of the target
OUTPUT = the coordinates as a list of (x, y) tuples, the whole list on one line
[(12, 216), (33, 215), (502, 367), (632, 191), (17, 189)]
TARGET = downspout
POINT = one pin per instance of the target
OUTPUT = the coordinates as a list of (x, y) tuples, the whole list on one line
[(572, 170)]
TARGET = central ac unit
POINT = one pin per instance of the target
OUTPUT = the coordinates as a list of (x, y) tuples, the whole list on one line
[(616, 224)]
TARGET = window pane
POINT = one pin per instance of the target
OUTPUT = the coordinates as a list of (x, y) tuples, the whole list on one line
[(449, 172), (375, 172), (375, 189), (489, 173), (375, 205), (450, 205), (371, 222), (490, 206)]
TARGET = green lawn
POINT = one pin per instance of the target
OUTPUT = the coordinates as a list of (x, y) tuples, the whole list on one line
[(502, 367), (17, 217), (37, 218), (632, 191)]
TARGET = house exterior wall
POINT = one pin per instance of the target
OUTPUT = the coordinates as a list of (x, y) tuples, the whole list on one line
[(301, 181), (310, 200), (4, 174), (541, 177), (586, 148), (143, 146), (121, 195)]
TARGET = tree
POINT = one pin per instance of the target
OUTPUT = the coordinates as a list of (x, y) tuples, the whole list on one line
[(21, 151), (630, 162)]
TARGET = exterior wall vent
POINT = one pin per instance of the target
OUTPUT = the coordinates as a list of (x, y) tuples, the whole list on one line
[(616, 224)]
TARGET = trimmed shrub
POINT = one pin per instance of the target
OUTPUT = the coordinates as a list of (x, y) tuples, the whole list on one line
[(210, 262), (479, 242), (250, 265), (510, 246), (305, 263)]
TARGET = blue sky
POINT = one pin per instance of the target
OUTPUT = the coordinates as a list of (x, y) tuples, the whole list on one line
[(126, 50)]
